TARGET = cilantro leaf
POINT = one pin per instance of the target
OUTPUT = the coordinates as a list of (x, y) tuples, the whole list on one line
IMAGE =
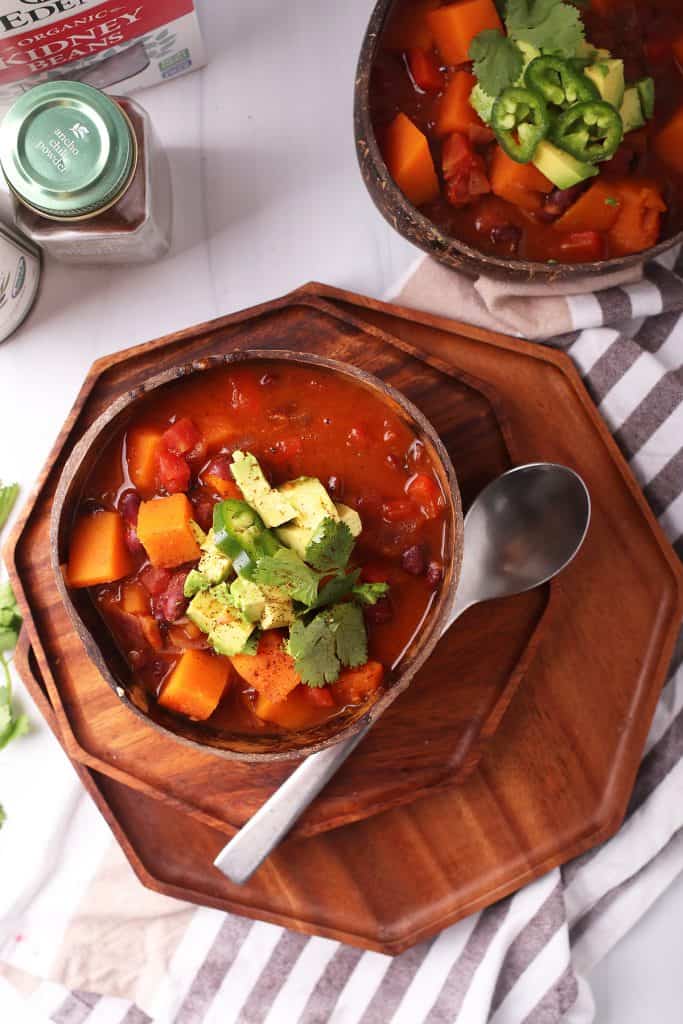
[(11, 727), (8, 496), (3, 816), (314, 651), (497, 61), (330, 546), (337, 589), (10, 619), (287, 571), (350, 635), (370, 593), (550, 25), (334, 637)]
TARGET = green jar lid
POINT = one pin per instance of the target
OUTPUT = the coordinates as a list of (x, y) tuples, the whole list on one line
[(66, 149)]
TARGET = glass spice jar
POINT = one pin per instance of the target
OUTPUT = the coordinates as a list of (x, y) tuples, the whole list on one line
[(90, 182)]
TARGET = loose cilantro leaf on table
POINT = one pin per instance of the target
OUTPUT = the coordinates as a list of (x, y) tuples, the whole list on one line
[(334, 637), (287, 571), (8, 495), (550, 25), (3, 816), (370, 593), (330, 546), (498, 62)]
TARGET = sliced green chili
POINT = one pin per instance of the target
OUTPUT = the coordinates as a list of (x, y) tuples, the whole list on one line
[(520, 120), (591, 132), (559, 83)]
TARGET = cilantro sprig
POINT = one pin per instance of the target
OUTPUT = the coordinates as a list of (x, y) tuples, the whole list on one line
[(550, 25), (334, 638), (498, 62), (11, 725), (330, 546), (370, 593), (289, 573)]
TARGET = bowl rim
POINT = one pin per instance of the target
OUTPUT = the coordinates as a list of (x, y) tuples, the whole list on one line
[(365, 135), (439, 611)]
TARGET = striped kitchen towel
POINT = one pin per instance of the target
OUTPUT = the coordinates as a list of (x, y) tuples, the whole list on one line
[(87, 945)]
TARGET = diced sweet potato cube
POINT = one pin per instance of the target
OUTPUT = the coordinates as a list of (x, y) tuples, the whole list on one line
[(165, 533), (355, 684), (142, 446), (98, 552), (455, 26), (217, 430), (407, 27), (523, 185), (455, 112), (596, 210), (271, 671), (638, 223), (669, 142), (409, 161), (294, 712), (196, 685), (135, 599)]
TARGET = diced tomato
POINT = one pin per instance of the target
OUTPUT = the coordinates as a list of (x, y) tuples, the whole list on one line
[(318, 696), (397, 510), (424, 70), (285, 449), (464, 171), (155, 580), (183, 437), (173, 472), (425, 492), (583, 247)]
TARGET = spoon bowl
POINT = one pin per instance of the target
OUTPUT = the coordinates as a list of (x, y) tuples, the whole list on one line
[(522, 530)]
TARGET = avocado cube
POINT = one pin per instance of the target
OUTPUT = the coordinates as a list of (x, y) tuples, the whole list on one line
[(249, 477), (646, 93), (205, 610), (229, 637), (194, 582), (631, 112), (214, 564), (278, 610), (295, 537), (560, 167), (608, 77), (350, 517), (248, 598), (311, 501)]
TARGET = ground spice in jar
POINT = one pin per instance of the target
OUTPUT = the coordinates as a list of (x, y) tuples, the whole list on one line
[(90, 182)]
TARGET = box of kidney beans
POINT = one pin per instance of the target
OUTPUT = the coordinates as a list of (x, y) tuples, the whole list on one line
[(120, 45)]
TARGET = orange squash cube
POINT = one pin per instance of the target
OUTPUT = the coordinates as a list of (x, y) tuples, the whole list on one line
[(455, 112), (294, 712), (669, 142), (596, 210), (271, 671), (455, 26), (98, 552), (408, 27), (216, 430), (409, 161), (523, 185), (355, 684), (165, 533), (142, 447), (135, 599), (196, 685)]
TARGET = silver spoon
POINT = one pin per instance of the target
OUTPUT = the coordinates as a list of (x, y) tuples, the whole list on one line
[(522, 530)]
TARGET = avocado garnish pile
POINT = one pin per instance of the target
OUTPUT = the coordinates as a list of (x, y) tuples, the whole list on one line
[(551, 98), (279, 559)]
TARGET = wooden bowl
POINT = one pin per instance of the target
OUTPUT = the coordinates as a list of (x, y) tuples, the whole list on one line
[(422, 232), (99, 642)]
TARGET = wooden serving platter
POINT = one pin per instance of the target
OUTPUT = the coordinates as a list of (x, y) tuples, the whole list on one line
[(556, 777), (397, 763)]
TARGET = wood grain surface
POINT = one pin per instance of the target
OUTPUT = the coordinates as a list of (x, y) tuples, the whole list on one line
[(555, 778), (395, 764)]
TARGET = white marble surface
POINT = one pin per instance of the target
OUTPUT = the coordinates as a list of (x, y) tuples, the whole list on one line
[(268, 196)]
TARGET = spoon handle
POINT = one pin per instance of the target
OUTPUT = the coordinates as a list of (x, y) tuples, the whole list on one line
[(258, 838)]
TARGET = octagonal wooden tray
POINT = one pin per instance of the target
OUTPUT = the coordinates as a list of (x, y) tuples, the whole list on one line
[(555, 778), (397, 763)]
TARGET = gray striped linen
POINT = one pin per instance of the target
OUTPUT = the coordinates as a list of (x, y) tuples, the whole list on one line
[(524, 959)]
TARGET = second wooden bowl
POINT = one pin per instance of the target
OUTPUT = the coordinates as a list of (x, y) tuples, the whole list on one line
[(98, 640)]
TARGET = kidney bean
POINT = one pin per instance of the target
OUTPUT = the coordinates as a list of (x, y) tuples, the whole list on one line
[(171, 604), (508, 235), (558, 202), (133, 542), (434, 575), (413, 560), (380, 613), (129, 506), (155, 580)]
